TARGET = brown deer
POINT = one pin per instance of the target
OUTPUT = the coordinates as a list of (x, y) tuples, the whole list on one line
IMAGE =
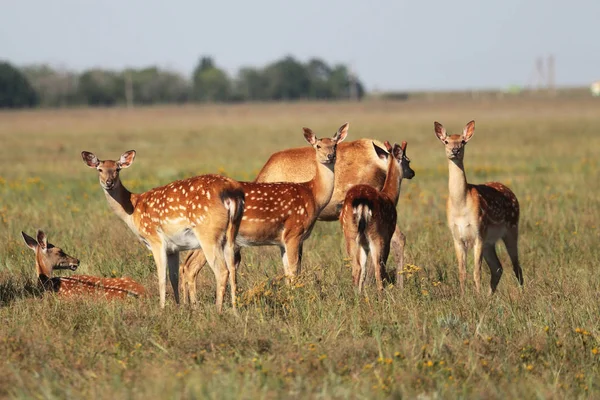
[(49, 258), (200, 212), (358, 162), (368, 218), (478, 215), (281, 214)]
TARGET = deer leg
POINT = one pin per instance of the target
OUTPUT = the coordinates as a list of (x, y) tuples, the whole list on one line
[(284, 259), (378, 261), (194, 264), (491, 258), (213, 252), (477, 250), (461, 256), (292, 250), (173, 264), (363, 258), (160, 258), (352, 249), (183, 281), (511, 239), (397, 244), (232, 264)]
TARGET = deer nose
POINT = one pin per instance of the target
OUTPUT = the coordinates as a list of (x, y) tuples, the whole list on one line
[(331, 157)]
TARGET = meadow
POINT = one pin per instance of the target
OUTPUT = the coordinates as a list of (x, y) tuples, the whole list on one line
[(317, 338)]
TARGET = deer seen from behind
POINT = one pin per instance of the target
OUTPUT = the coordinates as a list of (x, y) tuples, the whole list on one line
[(200, 212), (49, 258), (282, 214), (358, 162), (368, 219), (478, 215)]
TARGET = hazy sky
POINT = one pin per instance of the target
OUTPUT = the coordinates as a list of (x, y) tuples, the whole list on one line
[(390, 44)]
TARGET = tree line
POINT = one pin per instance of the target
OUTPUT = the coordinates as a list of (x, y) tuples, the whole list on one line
[(285, 79)]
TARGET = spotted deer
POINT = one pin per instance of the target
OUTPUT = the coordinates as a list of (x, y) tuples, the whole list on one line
[(358, 162), (478, 215), (49, 258), (368, 218), (200, 212), (281, 213)]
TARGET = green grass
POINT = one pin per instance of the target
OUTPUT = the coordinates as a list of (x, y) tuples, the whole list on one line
[(318, 338)]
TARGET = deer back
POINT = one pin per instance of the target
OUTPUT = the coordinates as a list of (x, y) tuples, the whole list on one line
[(85, 285), (357, 163)]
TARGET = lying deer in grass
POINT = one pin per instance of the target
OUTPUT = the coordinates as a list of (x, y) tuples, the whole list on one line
[(358, 162), (478, 215), (200, 212), (368, 218), (281, 214), (49, 258)]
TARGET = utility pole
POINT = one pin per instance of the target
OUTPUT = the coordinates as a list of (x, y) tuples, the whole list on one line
[(550, 72)]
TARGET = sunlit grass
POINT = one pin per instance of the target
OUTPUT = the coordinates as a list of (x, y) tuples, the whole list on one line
[(317, 337)]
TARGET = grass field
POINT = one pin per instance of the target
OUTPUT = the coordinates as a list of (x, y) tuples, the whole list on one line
[(318, 338)]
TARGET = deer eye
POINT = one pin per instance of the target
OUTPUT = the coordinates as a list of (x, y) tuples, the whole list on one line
[(100, 170), (463, 141), (445, 141), (318, 146)]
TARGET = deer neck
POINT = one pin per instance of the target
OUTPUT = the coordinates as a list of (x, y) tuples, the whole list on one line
[(457, 183), (393, 179), (122, 202), (43, 271), (322, 184)]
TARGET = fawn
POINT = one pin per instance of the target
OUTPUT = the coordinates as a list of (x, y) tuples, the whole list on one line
[(478, 215), (49, 258), (200, 212), (281, 214), (368, 218)]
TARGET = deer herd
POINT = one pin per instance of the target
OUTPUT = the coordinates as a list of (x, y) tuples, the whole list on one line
[(356, 182)]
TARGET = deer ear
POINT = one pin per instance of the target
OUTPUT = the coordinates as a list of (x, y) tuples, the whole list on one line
[(469, 131), (341, 133), (29, 241), (42, 240), (398, 151), (381, 153), (310, 136), (90, 159), (440, 131), (126, 159)]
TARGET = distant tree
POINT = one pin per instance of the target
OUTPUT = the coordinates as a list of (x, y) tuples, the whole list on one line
[(101, 88), (287, 80), (152, 85), (340, 81), (252, 84), (56, 88), (320, 74), (210, 83), (15, 89)]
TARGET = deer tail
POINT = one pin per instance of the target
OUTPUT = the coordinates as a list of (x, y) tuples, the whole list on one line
[(362, 210)]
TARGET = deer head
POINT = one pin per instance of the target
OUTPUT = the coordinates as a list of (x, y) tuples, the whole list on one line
[(47, 256), (326, 147), (399, 154), (108, 171), (455, 144)]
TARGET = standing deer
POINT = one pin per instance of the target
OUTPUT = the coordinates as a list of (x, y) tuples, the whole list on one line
[(358, 162), (49, 258), (200, 212), (368, 218), (281, 214), (478, 215)]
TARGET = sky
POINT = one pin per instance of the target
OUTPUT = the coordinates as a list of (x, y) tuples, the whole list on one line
[(390, 44)]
